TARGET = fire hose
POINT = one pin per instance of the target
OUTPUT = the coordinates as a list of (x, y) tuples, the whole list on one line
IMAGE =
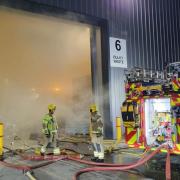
[(43, 158), (108, 166), (96, 164), (74, 158), (104, 166), (127, 167), (26, 167)]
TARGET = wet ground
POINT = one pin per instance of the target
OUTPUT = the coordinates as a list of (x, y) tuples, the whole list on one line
[(65, 170), (153, 169)]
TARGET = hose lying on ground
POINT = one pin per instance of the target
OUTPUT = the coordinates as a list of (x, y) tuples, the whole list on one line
[(109, 167), (105, 164), (51, 158), (96, 164), (71, 157), (27, 168), (127, 167), (168, 166)]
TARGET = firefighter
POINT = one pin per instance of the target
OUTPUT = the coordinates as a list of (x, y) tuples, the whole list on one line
[(97, 134), (50, 128)]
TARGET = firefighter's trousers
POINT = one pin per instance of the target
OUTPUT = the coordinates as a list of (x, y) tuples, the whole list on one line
[(50, 142), (98, 146)]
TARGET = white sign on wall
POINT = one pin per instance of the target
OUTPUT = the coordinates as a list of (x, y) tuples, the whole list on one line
[(118, 53)]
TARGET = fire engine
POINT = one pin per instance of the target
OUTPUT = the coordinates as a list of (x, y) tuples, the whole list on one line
[(151, 111)]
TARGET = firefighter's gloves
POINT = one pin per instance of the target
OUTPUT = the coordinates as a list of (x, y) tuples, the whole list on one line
[(46, 132), (99, 134), (47, 135)]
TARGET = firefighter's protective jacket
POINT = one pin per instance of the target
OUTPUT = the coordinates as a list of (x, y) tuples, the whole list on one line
[(49, 124), (96, 123)]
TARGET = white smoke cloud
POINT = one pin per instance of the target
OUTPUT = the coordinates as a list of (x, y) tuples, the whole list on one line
[(43, 60)]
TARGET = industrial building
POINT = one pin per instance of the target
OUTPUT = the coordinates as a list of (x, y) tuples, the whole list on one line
[(116, 57)]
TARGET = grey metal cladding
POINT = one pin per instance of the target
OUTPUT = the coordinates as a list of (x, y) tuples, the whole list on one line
[(151, 27)]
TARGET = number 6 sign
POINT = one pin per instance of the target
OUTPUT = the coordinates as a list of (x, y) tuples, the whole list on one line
[(118, 54)]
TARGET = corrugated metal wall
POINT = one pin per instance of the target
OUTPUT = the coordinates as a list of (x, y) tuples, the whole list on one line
[(150, 26), (117, 95)]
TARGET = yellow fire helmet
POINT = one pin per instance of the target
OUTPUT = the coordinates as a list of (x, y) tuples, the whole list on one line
[(93, 108), (52, 107)]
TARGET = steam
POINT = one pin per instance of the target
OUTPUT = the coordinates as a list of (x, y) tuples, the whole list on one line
[(43, 60)]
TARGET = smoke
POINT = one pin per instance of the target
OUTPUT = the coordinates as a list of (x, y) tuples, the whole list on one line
[(43, 60)]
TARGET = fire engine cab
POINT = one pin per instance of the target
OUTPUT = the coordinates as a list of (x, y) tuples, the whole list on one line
[(151, 111)]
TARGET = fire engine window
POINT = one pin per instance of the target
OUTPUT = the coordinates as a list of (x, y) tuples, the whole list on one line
[(157, 121)]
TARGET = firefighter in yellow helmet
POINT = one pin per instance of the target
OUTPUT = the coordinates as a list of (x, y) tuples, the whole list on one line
[(50, 128), (97, 134)]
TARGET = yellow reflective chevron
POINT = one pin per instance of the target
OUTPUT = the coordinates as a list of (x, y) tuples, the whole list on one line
[(131, 136)]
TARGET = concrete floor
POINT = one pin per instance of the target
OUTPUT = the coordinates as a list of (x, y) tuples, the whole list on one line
[(64, 170)]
